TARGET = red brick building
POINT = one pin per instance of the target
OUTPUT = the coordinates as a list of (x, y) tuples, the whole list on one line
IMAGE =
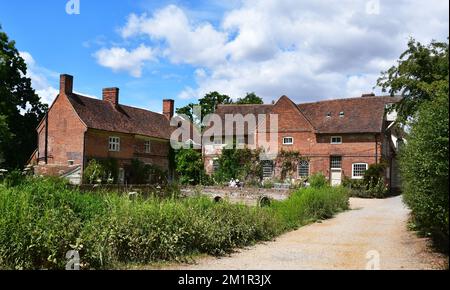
[(336, 137), (79, 128)]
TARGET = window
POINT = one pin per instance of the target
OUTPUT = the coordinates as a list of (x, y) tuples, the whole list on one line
[(114, 144), (341, 114), (267, 168), (216, 165), (336, 162), (240, 140), (70, 162), (303, 168), (336, 140), (218, 141), (358, 170), (147, 147), (288, 141)]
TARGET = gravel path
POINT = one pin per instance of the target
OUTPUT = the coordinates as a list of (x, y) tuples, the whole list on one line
[(352, 240)]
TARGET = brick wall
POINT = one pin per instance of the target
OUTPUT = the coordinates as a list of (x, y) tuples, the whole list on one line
[(65, 134), (131, 147)]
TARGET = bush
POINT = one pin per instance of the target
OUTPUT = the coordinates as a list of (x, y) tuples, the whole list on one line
[(373, 187), (42, 219), (189, 166), (94, 173), (318, 180), (424, 169)]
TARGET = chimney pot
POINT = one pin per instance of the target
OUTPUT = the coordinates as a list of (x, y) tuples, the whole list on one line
[(111, 95), (168, 108), (65, 84)]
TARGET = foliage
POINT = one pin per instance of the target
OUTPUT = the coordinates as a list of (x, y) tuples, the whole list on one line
[(366, 188), (318, 180), (424, 167), (289, 162), (242, 164), (307, 205), (13, 178), (374, 172), (419, 68), (250, 98), (208, 105), (94, 173), (189, 166), (20, 107), (42, 219)]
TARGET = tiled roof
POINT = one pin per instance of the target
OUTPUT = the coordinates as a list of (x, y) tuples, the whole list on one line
[(354, 115), (101, 115), (360, 115)]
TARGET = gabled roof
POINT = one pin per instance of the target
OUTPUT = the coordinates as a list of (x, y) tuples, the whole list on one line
[(101, 115), (360, 115)]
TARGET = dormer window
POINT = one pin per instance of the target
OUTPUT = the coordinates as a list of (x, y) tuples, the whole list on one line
[(336, 140), (341, 114), (329, 115)]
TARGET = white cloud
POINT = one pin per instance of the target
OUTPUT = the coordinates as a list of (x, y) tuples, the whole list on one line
[(120, 59), (192, 43), (40, 79), (307, 50)]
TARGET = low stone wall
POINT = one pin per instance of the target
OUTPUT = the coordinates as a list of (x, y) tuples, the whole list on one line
[(250, 196)]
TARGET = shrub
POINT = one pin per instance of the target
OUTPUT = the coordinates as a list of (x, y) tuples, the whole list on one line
[(94, 172), (13, 178), (189, 166), (318, 180), (42, 219), (424, 168)]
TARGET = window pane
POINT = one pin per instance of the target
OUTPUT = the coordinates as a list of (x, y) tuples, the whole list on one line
[(336, 161), (359, 169), (303, 168), (267, 167)]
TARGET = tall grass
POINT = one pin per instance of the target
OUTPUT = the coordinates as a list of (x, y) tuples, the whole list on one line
[(42, 219)]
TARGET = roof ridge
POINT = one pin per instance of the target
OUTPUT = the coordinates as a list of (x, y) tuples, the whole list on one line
[(348, 99), (121, 105)]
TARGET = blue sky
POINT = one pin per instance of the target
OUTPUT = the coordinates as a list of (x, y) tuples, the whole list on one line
[(152, 50)]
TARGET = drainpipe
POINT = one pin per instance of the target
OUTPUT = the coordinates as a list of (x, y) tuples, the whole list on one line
[(46, 139), (376, 149)]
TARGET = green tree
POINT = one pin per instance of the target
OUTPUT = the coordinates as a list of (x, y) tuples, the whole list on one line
[(424, 167), (208, 105), (20, 106), (250, 98), (418, 68), (5, 135), (189, 166)]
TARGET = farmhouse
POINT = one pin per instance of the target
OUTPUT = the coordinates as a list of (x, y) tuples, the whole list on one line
[(77, 129), (339, 138), (336, 137)]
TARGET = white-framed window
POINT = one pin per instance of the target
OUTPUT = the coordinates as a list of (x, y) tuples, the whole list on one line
[(218, 141), (288, 140), (267, 168), (336, 162), (148, 147), (303, 168), (240, 140), (336, 140), (358, 170), (114, 144)]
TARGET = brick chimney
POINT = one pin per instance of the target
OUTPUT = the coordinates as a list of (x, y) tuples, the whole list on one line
[(65, 84), (111, 95), (168, 108)]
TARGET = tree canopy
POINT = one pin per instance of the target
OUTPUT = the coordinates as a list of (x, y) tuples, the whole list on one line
[(208, 105), (20, 107), (420, 69)]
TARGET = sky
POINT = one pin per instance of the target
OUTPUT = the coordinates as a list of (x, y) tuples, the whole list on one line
[(154, 50)]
